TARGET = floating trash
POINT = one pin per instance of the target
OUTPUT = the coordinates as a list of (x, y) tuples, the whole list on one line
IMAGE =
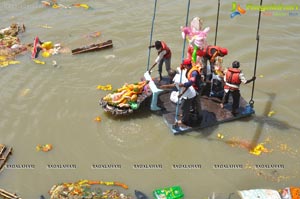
[(98, 119), (82, 5), (271, 113), (107, 87), (38, 61), (220, 136), (44, 148), (87, 189)]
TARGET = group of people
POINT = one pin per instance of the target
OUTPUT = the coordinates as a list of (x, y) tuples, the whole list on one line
[(197, 72)]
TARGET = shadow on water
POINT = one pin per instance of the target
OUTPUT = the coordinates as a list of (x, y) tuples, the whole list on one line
[(262, 120)]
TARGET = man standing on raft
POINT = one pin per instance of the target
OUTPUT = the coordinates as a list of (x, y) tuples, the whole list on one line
[(164, 56)]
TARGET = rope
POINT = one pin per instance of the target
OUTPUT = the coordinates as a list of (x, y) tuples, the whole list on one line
[(251, 102), (152, 27), (182, 57), (217, 22)]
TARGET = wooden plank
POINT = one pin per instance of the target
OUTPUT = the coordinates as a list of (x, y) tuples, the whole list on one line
[(4, 157), (93, 47), (8, 195), (212, 113)]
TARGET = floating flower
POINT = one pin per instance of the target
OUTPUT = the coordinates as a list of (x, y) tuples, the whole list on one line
[(271, 113), (98, 119), (259, 149), (45, 148), (220, 136), (38, 61), (108, 87)]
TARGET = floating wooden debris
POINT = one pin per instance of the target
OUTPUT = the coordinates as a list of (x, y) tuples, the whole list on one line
[(93, 47), (6, 195), (4, 154)]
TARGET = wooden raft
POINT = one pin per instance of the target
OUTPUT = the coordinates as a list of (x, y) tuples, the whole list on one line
[(211, 111), (93, 47), (4, 154), (6, 195)]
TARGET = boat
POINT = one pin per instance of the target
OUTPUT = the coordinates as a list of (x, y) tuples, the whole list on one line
[(93, 47), (174, 192)]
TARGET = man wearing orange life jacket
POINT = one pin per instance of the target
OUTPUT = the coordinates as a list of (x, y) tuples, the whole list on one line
[(164, 56), (233, 78), (194, 79), (210, 54)]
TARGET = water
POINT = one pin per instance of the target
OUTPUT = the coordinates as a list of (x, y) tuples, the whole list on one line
[(43, 104)]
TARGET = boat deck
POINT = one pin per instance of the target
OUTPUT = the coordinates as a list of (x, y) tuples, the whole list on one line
[(211, 111)]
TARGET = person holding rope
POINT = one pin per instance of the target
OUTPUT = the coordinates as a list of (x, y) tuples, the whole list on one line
[(164, 56), (233, 78)]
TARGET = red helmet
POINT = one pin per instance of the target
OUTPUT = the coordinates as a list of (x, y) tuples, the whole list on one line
[(224, 51)]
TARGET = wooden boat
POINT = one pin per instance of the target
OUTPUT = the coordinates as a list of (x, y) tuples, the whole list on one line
[(4, 154), (93, 47)]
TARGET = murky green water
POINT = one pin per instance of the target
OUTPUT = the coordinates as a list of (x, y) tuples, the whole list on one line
[(43, 104)]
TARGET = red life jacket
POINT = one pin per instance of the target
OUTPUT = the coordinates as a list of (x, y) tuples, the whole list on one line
[(166, 48), (209, 48), (232, 77)]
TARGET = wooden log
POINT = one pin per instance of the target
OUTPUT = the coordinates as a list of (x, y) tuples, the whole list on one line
[(93, 47), (8, 195)]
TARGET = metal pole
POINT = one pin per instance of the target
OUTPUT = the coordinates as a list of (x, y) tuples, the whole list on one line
[(251, 102), (182, 56), (217, 22), (152, 27)]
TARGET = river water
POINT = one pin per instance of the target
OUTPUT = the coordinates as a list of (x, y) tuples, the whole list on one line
[(43, 104)]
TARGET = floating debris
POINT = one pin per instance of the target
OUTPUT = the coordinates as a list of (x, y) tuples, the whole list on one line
[(81, 5), (25, 92), (44, 148), (107, 87), (93, 47), (271, 113), (98, 119), (83, 189), (220, 136), (7, 195), (38, 61), (110, 56), (258, 149), (45, 26), (4, 154)]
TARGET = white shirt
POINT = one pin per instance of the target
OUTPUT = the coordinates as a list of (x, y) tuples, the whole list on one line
[(190, 93)]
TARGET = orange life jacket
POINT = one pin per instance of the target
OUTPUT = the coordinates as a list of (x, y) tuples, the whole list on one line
[(189, 76), (166, 48), (232, 77)]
